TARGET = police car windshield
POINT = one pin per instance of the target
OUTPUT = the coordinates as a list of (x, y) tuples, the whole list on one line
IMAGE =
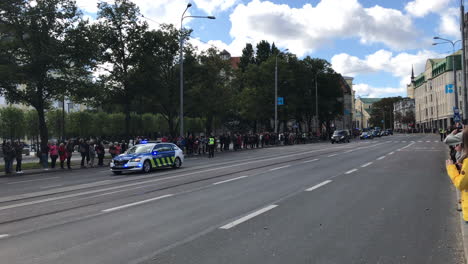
[(140, 149), (338, 133)]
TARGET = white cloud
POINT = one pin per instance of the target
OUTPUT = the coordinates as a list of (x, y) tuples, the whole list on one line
[(366, 90), (420, 8), (305, 29), (203, 46), (161, 11), (384, 60), (450, 23), (211, 6)]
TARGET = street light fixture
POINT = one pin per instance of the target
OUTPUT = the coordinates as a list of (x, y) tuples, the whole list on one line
[(276, 89), (181, 58), (445, 41)]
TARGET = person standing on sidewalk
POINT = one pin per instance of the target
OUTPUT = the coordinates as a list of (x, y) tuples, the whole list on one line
[(69, 149), (19, 156), (459, 177), (211, 146), (100, 153), (92, 154), (7, 156), (53, 154), (62, 154), (83, 151)]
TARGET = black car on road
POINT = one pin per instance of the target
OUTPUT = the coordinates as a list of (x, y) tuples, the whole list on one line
[(340, 136)]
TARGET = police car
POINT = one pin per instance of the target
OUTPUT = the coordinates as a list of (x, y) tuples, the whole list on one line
[(147, 156)]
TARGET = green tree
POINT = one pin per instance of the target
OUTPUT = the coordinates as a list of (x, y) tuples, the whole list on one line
[(263, 52), (210, 96), (121, 32), (248, 57), (12, 125), (44, 53), (383, 111)]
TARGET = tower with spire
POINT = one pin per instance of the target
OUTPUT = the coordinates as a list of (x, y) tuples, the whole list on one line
[(410, 86)]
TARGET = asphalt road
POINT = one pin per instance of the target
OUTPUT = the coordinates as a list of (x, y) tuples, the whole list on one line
[(385, 200)]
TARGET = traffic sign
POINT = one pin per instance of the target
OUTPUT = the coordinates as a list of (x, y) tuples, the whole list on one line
[(449, 88), (280, 100)]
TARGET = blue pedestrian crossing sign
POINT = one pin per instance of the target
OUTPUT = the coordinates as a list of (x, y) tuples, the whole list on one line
[(280, 100), (449, 88)]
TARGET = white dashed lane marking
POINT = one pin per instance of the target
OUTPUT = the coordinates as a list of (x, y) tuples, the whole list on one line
[(248, 217), (318, 186), (230, 180), (135, 203), (367, 164), (380, 158), (350, 171), (332, 155)]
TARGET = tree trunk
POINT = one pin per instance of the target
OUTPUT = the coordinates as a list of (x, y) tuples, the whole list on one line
[(43, 132)]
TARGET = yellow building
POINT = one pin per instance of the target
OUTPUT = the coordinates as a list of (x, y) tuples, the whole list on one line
[(363, 109)]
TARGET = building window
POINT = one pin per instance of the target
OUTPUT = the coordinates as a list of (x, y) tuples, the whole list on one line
[(431, 97)]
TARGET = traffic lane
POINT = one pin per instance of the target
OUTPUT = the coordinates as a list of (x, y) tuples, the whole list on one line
[(238, 195), (283, 153), (12, 185), (405, 214), (45, 206), (61, 208)]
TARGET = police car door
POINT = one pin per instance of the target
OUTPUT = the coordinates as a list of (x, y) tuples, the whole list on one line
[(168, 154), (158, 152)]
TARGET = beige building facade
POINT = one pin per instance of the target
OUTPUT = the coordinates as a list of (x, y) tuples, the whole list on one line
[(363, 109), (433, 92)]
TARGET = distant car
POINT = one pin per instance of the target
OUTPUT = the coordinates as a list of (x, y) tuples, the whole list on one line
[(366, 135), (148, 156), (389, 131), (340, 136), (376, 133)]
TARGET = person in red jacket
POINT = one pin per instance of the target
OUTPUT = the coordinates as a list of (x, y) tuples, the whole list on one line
[(53, 151), (62, 151)]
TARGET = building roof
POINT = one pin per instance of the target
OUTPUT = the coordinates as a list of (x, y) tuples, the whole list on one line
[(370, 100), (235, 62)]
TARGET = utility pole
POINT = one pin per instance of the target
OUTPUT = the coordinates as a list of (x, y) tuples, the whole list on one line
[(465, 92)]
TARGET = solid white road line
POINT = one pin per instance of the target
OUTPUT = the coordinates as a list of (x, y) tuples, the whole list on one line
[(367, 164), (307, 161), (381, 158), (391, 153), (136, 203), (233, 179), (4, 236), (51, 186), (332, 155), (279, 168), (318, 186), (43, 179), (351, 171), (249, 216)]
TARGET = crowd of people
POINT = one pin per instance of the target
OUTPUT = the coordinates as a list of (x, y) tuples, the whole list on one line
[(457, 164), (93, 151)]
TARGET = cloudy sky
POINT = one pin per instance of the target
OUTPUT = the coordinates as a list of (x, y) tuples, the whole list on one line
[(374, 41)]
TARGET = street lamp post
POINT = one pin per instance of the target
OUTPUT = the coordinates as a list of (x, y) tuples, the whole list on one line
[(181, 59), (455, 89), (276, 89)]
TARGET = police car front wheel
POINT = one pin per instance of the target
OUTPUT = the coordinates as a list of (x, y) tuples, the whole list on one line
[(146, 167), (177, 163)]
